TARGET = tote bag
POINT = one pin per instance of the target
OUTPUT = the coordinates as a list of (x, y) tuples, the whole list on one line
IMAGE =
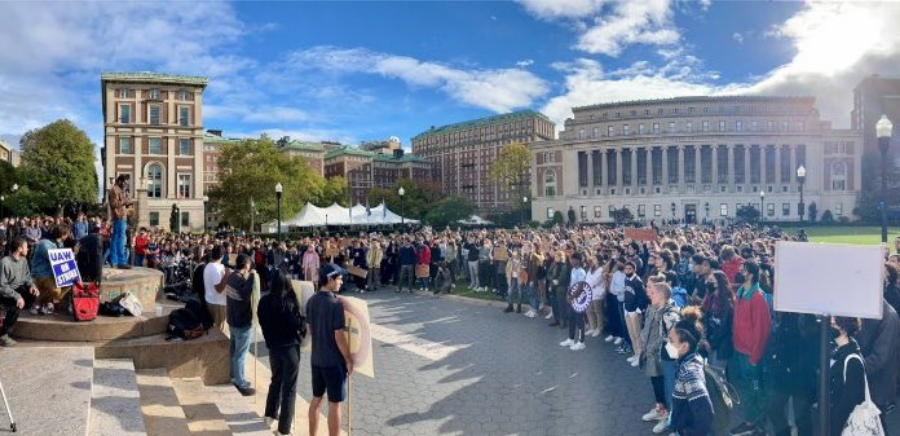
[(864, 420)]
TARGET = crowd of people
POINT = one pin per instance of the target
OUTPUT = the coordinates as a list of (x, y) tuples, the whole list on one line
[(675, 305)]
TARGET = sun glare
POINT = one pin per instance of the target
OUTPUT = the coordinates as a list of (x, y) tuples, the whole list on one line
[(829, 41)]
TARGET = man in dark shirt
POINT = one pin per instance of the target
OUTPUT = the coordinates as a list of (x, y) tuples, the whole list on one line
[(407, 260), (331, 362), (240, 321)]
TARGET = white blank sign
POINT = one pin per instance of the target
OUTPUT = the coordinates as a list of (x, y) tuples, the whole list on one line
[(829, 279)]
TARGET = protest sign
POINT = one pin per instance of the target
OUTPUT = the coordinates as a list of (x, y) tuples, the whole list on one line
[(358, 272), (65, 270), (580, 295), (636, 234), (356, 315)]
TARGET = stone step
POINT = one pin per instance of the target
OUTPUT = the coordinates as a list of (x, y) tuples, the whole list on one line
[(49, 389), (163, 415), (203, 416), (62, 328), (238, 412), (115, 400)]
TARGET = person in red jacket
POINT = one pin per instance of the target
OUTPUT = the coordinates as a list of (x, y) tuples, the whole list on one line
[(752, 327), (731, 263), (140, 247), (423, 257)]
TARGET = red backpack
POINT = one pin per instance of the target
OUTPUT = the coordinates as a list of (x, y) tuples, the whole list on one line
[(85, 301)]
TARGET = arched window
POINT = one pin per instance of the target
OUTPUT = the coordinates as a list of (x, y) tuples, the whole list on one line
[(154, 181), (550, 183), (839, 176)]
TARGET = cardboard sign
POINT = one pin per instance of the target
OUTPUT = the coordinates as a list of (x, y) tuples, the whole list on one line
[(356, 315), (636, 234), (581, 294), (304, 290), (847, 279), (359, 272), (501, 254), (523, 276), (331, 252), (65, 270), (423, 271)]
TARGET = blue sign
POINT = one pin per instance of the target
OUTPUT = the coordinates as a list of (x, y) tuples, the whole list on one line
[(65, 270)]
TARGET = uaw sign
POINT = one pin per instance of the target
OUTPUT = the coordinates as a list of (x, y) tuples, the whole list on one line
[(65, 270), (580, 296)]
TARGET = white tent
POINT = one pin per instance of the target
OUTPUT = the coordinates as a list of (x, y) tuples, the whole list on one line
[(475, 220), (337, 215)]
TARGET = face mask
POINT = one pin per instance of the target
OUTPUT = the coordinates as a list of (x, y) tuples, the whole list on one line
[(711, 287), (739, 278), (672, 351), (834, 332)]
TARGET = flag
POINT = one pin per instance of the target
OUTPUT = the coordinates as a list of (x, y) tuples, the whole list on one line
[(368, 209), (383, 209)]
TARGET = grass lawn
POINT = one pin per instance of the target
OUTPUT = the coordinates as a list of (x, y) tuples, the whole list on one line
[(462, 289), (849, 235)]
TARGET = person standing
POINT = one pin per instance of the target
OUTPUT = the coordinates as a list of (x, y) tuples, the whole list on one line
[(879, 343), (215, 280), (576, 319), (141, 241), (16, 287), (239, 289), (118, 205), (692, 409), (311, 265), (407, 259), (331, 363), (283, 329), (847, 373), (752, 328), (634, 305)]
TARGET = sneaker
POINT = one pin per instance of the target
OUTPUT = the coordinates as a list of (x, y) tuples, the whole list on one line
[(589, 333), (6, 341), (578, 346), (48, 309), (743, 429), (635, 363), (653, 415), (618, 341), (508, 309), (662, 426), (549, 315), (596, 333), (609, 338), (630, 359), (270, 421), (567, 343), (246, 391), (530, 314), (34, 310)]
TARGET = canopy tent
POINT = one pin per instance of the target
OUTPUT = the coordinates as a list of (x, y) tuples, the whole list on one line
[(337, 215), (475, 220)]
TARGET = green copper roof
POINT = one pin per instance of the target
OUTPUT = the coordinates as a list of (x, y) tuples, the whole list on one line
[(303, 146), (147, 76), (405, 158), (218, 139), (481, 122), (348, 151)]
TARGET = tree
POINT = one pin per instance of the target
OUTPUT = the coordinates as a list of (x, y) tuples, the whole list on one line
[(250, 170), (58, 164), (571, 215), (813, 212), (511, 168), (747, 214), (450, 210), (174, 221), (419, 198), (623, 215), (335, 190), (827, 217), (557, 218)]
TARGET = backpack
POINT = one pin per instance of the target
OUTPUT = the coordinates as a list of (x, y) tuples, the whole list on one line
[(85, 301), (199, 310), (723, 397), (184, 325), (679, 295)]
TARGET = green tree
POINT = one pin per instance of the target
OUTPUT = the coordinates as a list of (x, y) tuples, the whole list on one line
[(450, 210), (571, 215), (827, 217), (174, 221), (623, 215), (511, 169), (557, 218), (747, 214), (335, 190), (419, 198), (813, 212), (250, 170), (58, 164)]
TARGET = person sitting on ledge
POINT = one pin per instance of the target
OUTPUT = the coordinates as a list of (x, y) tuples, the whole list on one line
[(43, 271), (15, 286)]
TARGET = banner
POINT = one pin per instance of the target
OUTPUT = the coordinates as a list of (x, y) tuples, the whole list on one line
[(580, 296), (358, 272), (636, 234), (356, 315), (65, 270)]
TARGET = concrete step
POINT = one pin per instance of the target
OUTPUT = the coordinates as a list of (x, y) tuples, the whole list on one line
[(203, 416), (115, 400), (49, 389), (238, 411), (61, 328), (163, 415)]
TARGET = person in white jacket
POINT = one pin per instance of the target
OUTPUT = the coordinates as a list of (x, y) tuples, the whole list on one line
[(595, 315), (617, 288)]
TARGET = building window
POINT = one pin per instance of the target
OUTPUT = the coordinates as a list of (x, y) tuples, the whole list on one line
[(550, 213), (580, 133), (656, 128), (770, 126), (184, 186), (153, 94), (154, 146), (839, 209), (770, 209), (610, 131), (612, 211), (641, 129), (596, 132), (754, 126), (597, 211), (785, 126), (154, 219), (184, 146), (626, 130), (154, 181), (642, 210), (785, 209), (839, 176), (124, 93), (125, 114), (657, 210), (185, 219), (723, 209), (155, 111), (550, 183), (706, 126), (184, 116), (689, 126), (721, 126), (125, 145), (739, 126), (672, 127), (583, 213), (184, 95)]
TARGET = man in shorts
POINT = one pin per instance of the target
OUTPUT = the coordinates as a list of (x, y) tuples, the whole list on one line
[(331, 362)]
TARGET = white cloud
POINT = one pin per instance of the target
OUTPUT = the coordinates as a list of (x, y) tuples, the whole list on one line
[(738, 37), (499, 90), (549, 9), (277, 114), (525, 63), (337, 135)]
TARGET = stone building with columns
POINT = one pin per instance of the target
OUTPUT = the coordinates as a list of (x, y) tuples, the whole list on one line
[(696, 158), (153, 131)]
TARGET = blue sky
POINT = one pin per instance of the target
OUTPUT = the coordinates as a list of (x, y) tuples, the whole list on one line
[(352, 71)]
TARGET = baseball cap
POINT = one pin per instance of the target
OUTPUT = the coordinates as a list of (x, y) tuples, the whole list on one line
[(329, 270)]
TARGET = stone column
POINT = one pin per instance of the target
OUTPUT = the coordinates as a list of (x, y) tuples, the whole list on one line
[(665, 168), (681, 179), (603, 169), (633, 152), (142, 206), (746, 165), (762, 166), (730, 165), (778, 180), (698, 173), (715, 165), (648, 164), (618, 152)]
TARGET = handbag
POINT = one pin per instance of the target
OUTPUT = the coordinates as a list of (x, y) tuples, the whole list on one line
[(864, 420)]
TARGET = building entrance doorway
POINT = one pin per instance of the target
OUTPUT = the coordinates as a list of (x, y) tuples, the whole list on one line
[(690, 214)]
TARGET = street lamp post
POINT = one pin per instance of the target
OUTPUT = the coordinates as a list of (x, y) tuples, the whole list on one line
[(278, 190), (2, 199), (252, 215), (762, 206), (400, 192), (205, 227), (883, 130), (524, 207), (15, 188), (801, 177)]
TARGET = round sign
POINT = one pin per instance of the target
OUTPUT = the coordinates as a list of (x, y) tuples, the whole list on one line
[(581, 294), (360, 336)]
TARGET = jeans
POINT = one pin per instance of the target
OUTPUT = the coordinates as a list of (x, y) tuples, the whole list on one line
[(669, 367), (514, 289), (240, 345), (138, 260), (407, 275), (12, 311), (576, 324), (534, 299), (747, 379), (117, 243), (285, 363), (473, 274), (554, 306)]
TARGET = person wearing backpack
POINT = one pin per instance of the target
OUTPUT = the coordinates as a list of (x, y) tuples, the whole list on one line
[(847, 373), (283, 328), (661, 316)]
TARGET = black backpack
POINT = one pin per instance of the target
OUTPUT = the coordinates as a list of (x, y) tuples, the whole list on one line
[(184, 325), (200, 312)]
